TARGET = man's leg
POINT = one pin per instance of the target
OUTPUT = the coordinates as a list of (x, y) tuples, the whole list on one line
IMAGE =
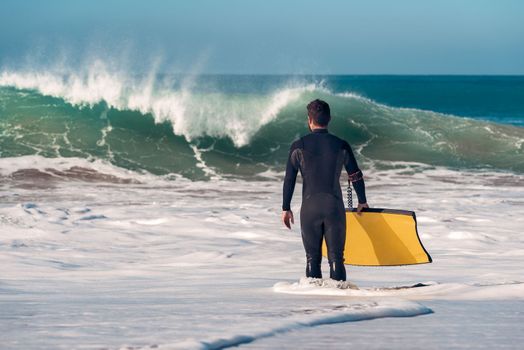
[(312, 232), (335, 233)]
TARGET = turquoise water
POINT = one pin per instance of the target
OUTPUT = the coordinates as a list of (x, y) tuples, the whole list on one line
[(495, 98), (236, 125)]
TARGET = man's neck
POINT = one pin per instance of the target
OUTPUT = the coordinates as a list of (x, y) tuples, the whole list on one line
[(319, 130)]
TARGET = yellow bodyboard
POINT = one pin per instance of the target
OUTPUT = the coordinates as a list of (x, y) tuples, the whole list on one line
[(382, 237)]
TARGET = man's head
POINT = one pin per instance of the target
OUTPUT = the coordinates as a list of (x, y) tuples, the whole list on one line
[(319, 113)]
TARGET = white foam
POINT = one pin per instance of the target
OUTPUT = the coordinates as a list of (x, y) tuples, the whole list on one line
[(194, 262), (461, 235), (152, 222), (210, 172), (430, 290)]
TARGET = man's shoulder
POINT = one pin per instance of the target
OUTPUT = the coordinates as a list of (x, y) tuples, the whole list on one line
[(343, 143), (298, 143)]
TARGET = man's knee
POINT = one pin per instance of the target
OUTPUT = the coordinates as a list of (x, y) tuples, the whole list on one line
[(313, 265), (314, 259), (336, 255)]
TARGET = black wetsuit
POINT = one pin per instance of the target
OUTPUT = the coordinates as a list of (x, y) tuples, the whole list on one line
[(320, 157)]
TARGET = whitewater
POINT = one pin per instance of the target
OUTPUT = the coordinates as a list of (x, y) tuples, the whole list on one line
[(140, 219)]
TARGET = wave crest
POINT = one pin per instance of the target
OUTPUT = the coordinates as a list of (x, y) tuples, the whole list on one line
[(190, 113)]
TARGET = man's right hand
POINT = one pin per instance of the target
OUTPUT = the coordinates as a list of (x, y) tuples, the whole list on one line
[(287, 216), (360, 207)]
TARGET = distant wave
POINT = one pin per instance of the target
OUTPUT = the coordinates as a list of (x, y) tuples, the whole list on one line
[(162, 126)]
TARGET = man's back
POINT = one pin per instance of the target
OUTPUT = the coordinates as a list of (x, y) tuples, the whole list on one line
[(320, 157)]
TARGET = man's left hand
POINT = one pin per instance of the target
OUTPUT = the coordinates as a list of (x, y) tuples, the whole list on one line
[(360, 207)]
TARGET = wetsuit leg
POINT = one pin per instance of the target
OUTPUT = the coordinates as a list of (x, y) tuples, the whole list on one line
[(312, 234), (335, 234), (324, 215)]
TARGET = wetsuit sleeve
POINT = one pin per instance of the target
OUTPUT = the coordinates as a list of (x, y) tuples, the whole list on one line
[(354, 173), (290, 178)]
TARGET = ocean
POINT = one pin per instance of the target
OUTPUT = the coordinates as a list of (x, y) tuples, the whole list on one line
[(143, 211), (238, 125)]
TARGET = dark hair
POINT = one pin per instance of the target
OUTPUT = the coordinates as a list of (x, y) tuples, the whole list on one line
[(319, 111)]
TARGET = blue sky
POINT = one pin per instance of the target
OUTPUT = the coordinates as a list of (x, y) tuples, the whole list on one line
[(269, 36)]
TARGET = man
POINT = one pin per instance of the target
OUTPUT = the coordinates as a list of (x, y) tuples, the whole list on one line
[(320, 157)]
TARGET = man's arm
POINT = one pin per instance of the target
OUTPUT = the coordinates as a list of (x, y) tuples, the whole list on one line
[(354, 174), (290, 178)]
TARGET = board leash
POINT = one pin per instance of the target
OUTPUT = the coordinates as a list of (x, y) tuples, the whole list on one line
[(350, 195)]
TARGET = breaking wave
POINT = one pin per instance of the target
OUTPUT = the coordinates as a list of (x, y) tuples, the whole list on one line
[(180, 125)]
